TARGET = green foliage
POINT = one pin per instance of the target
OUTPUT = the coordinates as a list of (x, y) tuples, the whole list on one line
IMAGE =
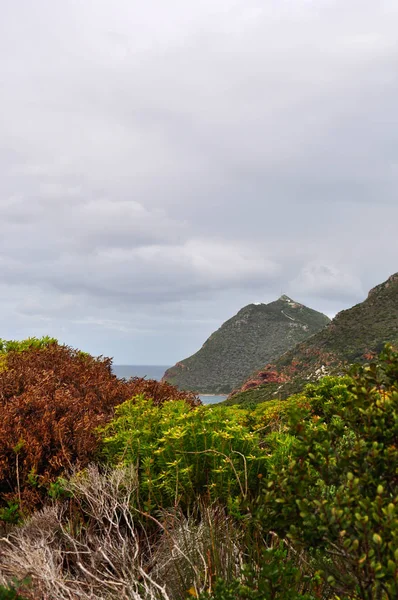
[(9, 593), (274, 415), (10, 513), (338, 490), (58, 489), (317, 399), (275, 578), (183, 452), (326, 396), (27, 344), (251, 397)]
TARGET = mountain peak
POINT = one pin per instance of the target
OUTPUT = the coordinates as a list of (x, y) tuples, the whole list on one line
[(257, 334), (288, 300)]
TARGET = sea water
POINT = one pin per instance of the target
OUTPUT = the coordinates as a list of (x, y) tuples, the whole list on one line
[(157, 372)]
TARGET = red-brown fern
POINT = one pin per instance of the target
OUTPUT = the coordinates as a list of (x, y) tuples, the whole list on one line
[(51, 402)]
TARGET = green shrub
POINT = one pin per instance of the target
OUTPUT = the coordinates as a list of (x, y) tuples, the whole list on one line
[(273, 415), (324, 397), (183, 452), (338, 491), (317, 399), (10, 513), (9, 593)]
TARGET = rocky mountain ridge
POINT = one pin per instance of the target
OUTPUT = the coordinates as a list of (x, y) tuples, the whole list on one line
[(354, 335)]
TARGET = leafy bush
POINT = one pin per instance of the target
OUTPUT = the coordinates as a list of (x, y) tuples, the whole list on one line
[(9, 593), (53, 399), (338, 490), (271, 416), (182, 453), (325, 397), (10, 513)]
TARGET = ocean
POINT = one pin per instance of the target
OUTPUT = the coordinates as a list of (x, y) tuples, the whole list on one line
[(156, 372)]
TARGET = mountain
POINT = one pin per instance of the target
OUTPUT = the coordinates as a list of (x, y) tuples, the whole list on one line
[(354, 335), (257, 334)]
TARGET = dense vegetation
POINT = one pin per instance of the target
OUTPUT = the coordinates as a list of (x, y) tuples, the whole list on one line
[(52, 400), (258, 334), (354, 335), (166, 499)]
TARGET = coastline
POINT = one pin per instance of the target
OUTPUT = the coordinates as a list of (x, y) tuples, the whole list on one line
[(211, 395)]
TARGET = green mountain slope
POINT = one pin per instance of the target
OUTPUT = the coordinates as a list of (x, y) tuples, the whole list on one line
[(354, 335), (257, 334)]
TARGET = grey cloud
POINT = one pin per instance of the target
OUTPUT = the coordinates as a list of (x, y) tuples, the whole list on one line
[(161, 164), (328, 281)]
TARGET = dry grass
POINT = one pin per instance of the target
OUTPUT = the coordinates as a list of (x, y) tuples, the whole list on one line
[(95, 547), (196, 549), (91, 553)]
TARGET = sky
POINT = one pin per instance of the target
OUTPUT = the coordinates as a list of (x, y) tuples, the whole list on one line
[(163, 164)]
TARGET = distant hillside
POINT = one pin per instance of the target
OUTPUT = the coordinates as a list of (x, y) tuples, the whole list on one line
[(257, 334), (354, 335)]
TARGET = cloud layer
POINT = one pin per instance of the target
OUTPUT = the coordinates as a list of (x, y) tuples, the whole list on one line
[(162, 164)]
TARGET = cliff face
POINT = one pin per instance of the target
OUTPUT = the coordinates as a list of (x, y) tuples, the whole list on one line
[(354, 335), (257, 334)]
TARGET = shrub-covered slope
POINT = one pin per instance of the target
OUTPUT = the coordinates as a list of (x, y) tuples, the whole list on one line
[(257, 334), (290, 500), (354, 335)]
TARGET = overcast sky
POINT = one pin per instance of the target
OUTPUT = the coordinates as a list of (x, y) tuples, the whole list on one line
[(164, 163)]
